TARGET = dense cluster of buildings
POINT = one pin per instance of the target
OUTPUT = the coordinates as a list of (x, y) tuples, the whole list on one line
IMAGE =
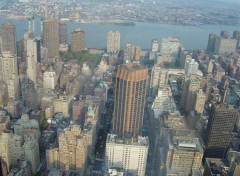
[(41, 92)]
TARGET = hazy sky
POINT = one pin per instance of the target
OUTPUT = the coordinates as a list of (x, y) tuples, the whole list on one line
[(235, 1)]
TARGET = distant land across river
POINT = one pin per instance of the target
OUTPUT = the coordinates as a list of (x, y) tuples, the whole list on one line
[(141, 34)]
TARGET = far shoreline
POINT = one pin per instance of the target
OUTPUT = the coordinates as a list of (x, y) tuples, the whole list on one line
[(123, 22)]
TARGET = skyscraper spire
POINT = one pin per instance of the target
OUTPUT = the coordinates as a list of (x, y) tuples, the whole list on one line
[(33, 25)]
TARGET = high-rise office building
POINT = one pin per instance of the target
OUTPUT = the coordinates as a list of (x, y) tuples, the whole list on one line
[(8, 32), (211, 42), (51, 36), (129, 156), (77, 40), (113, 41), (191, 84), (130, 95), (219, 130), (62, 33)]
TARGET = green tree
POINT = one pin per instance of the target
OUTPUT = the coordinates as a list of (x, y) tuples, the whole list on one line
[(84, 56)]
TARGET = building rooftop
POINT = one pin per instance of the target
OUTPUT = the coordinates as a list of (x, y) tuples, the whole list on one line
[(133, 66), (217, 167), (182, 139), (141, 141), (170, 39), (21, 167), (55, 173), (116, 172)]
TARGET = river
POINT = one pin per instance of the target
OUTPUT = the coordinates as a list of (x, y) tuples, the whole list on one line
[(191, 37)]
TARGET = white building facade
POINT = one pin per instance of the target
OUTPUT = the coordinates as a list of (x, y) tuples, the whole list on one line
[(129, 156)]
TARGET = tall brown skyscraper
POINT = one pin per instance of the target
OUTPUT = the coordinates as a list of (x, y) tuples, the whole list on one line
[(8, 33), (77, 40), (62, 33), (219, 129), (51, 36), (129, 103)]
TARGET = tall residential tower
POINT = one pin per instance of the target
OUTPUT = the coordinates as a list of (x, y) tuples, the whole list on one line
[(51, 36), (8, 32)]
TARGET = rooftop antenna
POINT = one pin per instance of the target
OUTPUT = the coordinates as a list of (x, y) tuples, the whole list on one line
[(33, 25), (29, 24)]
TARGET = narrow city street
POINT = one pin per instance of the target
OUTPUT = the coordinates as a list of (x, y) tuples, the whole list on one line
[(106, 123)]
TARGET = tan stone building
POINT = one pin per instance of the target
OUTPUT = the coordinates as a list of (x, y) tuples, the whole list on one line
[(71, 153), (77, 40), (130, 96), (191, 84), (63, 104)]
